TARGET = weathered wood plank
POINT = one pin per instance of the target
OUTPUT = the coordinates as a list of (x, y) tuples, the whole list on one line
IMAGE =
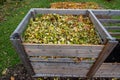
[(109, 66), (115, 33), (63, 71), (61, 68), (114, 21), (63, 52), (108, 70), (58, 75), (60, 11), (61, 46), (57, 65), (103, 55), (60, 60), (106, 12), (112, 27), (111, 75), (101, 30)]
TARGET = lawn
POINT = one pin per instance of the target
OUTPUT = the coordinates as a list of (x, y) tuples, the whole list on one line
[(14, 12)]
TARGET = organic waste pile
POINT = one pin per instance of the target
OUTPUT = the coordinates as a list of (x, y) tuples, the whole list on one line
[(61, 29), (75, 5)]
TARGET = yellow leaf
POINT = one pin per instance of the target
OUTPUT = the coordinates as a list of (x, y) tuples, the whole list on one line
[(4, 71)]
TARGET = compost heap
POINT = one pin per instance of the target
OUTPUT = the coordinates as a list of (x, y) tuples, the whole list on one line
[(61, 29), (75, 5)]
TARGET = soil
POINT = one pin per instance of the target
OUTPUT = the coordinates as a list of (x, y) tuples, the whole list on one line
[(18, 72)]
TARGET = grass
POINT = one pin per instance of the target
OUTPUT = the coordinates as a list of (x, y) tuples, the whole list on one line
[(15, 12)]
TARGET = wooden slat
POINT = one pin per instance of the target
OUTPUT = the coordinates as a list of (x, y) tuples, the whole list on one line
[(115, 33), (114, 21), (62, 46), (108, 75), (60, 60), (57, 75), (108, 70), (63, 52), (60, 11), (103, 55), (106, 12), (68, 71), (56, 65), (112, 27), (77, 69), (100, 28)]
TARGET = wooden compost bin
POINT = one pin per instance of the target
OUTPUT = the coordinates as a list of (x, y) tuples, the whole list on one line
[(110, 19), (63, 67)]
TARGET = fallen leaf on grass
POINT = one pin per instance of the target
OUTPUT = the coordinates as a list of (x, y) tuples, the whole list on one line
[(4, 71)]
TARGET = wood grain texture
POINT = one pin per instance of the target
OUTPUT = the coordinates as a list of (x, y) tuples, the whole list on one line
[(112, 27), (61, 46), (108, 21), (106, 12), (108, 70), (60, 11), (54, 68), (63, 50), (115, 33), (57, 75)]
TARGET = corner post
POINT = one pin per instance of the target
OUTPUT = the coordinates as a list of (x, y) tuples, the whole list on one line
[(110, 45), (17, 43)]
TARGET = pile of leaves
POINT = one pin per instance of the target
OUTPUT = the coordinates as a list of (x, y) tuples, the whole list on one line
[(75, 5), (61, 29)]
